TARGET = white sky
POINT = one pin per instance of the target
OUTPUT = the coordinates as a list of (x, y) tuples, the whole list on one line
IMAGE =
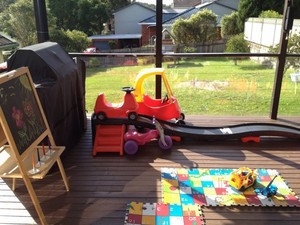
[(165, 2)]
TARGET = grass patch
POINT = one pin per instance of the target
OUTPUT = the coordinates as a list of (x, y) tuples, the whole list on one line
[(211, 86)]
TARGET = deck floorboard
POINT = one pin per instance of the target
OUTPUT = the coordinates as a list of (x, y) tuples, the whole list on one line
[(101, 186)]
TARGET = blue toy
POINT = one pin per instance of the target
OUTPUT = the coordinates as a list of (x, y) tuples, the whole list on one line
[(268, 191)]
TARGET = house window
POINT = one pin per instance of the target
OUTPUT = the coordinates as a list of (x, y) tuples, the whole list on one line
[(152, 40), (166, 36)]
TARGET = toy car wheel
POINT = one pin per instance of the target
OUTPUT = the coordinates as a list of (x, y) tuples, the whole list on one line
[(182, 116), (101, 116), (131, 147), (180, 122), (132, 116), (168, 141)]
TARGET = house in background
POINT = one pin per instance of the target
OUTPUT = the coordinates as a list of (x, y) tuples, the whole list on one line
[(219, 7), (6, 44), (192, 3), (127, 19), (135, 24), (126, 27), (148, 26)]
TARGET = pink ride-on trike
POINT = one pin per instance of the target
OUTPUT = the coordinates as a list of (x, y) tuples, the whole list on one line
[(133, 138)]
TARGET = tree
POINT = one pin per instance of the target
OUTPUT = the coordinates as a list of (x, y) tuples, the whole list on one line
[(270, 14), (60, 36), (293, 47), (84, 15), (79, 41), (116, 4), (198, 29), (64, 13), (246, 9), (238, 44), (203, 26), (71, 41), (229, 25), (5, 3), (91, 16), (181, 32), (18, 21), (253, 8)]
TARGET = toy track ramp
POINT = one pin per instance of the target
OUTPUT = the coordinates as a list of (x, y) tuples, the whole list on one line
[(109, 138), (247, 130)]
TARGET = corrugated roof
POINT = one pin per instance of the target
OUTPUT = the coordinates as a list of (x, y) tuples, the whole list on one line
[(174, 10), (152, 19), (116, 36), (188, 13), (188, 3), (185, 15), (6, 42), (225, 6)]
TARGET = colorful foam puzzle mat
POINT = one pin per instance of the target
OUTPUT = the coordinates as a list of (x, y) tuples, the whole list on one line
[(163, 214), (210, 187)]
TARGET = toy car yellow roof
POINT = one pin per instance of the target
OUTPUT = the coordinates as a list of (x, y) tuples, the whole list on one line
[(139, 90)]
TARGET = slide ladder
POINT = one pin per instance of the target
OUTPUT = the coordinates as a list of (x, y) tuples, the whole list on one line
[(109, 138)]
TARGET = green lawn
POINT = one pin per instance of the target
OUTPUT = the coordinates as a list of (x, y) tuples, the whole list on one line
[(211, 86)]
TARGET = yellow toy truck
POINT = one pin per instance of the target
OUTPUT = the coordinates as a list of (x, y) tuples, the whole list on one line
[(242, 178)]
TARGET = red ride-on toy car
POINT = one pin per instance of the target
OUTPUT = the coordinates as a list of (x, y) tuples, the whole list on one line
[(104, 110), (128, 108), (166, 108)]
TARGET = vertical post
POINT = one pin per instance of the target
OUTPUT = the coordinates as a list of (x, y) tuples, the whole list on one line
[(158, 47), (41, 20), (287, 25), (1, 57)]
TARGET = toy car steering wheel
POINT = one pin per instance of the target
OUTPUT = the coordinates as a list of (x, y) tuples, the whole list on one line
[(128, 89), (165, 99)]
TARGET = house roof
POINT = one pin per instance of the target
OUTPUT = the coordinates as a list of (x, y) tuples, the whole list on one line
[(186, 3), (189, 12), (184, 15), (116, 36), (174, 10), (6, 42), (152, 19), (135, 3), (225, 6)]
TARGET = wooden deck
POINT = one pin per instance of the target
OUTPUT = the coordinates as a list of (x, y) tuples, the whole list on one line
[(101, 186)]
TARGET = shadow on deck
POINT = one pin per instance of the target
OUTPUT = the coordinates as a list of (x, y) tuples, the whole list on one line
[(102, 186)]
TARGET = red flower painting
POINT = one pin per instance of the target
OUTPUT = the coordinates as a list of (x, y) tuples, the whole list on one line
[(18, 117)]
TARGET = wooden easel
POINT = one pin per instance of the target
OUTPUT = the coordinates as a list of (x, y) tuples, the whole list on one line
[(23, 127)]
